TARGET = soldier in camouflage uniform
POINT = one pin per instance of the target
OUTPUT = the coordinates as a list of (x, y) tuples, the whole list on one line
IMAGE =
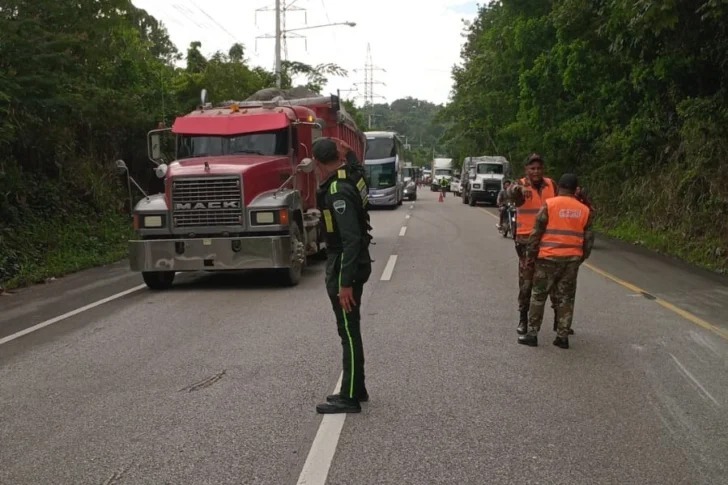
[(561, 240), (343, 200), (528, 194)]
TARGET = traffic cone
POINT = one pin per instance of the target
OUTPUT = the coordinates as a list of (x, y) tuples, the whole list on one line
[(441, 199)]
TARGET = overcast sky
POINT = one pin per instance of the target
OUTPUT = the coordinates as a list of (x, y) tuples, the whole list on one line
[(416, 42)]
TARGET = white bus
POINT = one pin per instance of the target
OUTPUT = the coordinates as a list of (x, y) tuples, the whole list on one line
[(383, 162)]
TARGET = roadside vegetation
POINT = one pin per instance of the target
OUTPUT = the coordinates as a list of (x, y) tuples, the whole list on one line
[(81, 83), (631, 95)]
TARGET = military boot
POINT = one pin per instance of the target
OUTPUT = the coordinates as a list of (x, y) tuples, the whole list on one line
[(530, 339), (523, 324), (561, 342)]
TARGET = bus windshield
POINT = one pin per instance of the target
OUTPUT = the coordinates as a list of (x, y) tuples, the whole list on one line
[(378, 148), (381, 175)]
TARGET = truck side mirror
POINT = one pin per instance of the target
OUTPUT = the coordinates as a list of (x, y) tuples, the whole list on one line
[(156, 147), (306, 166)]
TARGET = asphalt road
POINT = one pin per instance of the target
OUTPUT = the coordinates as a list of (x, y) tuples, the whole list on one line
[(216, 380)]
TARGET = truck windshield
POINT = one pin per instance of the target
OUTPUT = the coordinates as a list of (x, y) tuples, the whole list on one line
[(381, 175), (443, 171), (490, 168), (378, 148), (262, 143)]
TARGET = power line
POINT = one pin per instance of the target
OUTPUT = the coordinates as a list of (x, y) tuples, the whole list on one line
[(214, 21)]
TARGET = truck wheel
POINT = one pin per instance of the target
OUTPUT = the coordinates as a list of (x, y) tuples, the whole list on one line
[(465, 198), (292, 275), (158, 280), (471, 200)]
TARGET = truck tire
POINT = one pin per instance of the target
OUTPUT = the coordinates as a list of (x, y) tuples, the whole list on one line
[(291, 276), (158, 280)]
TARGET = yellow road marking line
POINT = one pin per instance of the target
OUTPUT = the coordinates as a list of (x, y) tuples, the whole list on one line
[(663, 303)]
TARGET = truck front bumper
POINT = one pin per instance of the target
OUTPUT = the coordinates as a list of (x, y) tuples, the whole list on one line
[(485, 195), (210, 254)]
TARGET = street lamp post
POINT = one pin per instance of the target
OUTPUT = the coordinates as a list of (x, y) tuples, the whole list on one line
[(280, 32)]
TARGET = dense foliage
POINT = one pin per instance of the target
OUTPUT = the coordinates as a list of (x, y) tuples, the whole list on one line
[(81, 83), (629, 94)]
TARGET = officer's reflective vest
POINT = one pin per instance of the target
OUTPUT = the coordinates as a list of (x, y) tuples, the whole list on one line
[(346, 175), (526, 214), (564, 234)]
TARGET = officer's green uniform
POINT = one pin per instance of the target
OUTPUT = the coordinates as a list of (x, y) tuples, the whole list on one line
[(343, 201)]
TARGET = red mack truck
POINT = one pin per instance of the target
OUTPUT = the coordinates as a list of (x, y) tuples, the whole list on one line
[(241, 191)]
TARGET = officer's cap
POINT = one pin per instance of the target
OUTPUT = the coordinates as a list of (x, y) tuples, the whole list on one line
[(325, 150), (569, 181)]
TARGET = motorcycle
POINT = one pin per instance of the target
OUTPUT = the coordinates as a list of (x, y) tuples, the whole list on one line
[(508, 228)]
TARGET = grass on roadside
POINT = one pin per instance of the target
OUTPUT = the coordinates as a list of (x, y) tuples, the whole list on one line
[(707, 253), (52, 248)]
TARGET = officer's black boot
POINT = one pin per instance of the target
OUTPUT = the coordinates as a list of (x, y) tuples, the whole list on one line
[(523, 324), (363, 397), (339, 405)]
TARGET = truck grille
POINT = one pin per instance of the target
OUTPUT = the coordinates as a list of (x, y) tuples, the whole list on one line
[(491, 185), (207, 202)]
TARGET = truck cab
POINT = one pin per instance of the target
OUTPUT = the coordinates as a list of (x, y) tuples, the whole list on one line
[(442, 168), (484, 175), (240, 192)]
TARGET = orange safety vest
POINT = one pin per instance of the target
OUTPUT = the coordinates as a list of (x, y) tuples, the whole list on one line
[(526, 214), (564, 234)]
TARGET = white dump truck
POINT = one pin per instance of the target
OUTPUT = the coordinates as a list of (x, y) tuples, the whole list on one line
[(441, 169), (482, 178)]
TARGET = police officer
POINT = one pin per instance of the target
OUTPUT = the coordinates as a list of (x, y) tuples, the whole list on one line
[(528, 194), (343, 200), (561, 240)]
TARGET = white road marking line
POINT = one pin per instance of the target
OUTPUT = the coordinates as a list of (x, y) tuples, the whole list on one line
[(412, 207), (403, 230), (57, 319), (389, 268), (316, 469), (407, 216), (690, 376)]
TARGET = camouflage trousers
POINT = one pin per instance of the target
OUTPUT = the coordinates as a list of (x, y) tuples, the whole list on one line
[(559, 279), (526, 268)]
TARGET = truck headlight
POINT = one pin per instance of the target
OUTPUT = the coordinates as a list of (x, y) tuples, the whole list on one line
[(270, 217), (151, 222)]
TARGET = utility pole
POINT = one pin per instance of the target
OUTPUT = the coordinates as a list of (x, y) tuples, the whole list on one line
[(280, 8), (282, 33), (278, 43), (369, 83)]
